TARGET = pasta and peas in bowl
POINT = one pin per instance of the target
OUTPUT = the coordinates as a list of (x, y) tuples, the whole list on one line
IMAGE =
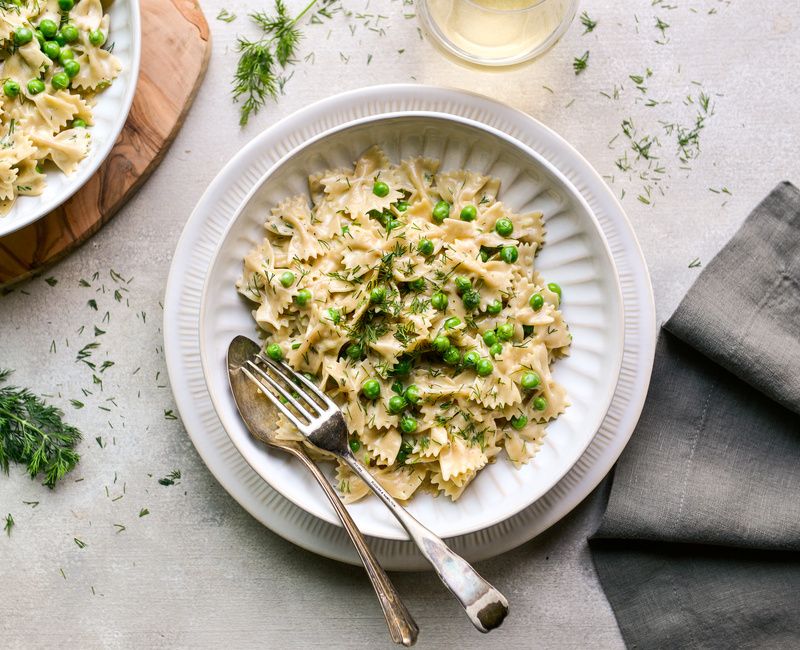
[(410, 296)]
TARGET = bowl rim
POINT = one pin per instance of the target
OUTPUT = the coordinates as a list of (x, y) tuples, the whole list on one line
[(101, 153), (205, 354)]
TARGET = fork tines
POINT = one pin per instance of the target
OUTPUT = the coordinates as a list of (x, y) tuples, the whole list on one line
[(285, 388)]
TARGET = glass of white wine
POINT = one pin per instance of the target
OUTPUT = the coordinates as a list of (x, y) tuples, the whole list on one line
[(496, 32)]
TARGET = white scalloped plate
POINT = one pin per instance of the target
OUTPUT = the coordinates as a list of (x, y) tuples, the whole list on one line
[(218, 207), (110, 113), (575, 255)]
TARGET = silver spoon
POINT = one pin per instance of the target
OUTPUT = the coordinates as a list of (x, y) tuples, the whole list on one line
[(260, 422)]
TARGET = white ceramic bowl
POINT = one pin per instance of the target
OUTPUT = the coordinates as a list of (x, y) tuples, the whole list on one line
[(110, 113), (575, 254)]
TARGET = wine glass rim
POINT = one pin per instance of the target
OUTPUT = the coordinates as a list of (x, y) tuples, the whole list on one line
[(532, 4)]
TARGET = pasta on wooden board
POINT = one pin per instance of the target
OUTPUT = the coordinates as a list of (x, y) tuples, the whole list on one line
[(54, 59), (410, 296)]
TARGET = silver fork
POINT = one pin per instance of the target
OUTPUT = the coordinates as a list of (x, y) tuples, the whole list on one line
[(321, 422)]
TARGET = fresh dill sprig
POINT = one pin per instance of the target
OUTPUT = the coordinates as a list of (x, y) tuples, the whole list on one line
[(588, 23), (256, 78), (9, 524), (33, 433), (226, 16), (581, 63)]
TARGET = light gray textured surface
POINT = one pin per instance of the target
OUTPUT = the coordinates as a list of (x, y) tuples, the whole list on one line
[(198, 571)]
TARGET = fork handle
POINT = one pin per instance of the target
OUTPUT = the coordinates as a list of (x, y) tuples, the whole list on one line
[(485, 606), (402, 627)]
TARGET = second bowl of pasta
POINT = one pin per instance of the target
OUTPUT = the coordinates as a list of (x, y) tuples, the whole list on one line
[(449, 289)]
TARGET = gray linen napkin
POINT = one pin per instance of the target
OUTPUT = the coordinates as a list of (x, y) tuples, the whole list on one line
[(700, 543)]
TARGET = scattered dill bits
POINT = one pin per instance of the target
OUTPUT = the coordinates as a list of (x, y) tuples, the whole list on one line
[(588, 23), (695, 263), (226, 16), (579, 64), (33, 433), (9, 524), (169, 415), (662, 27), (144, 512), (51, 281), (79, 542), (120, 528), (170, 479), (256, 78)]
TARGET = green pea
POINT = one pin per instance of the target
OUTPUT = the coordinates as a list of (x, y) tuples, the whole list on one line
[(536, 301), (417, 285), (509, 254), (11, 88), (505, 332), (396, 404), (412, 394), (494, 308), (401, 206), (439, 301), (441, 343), (556, 289), (484, 368), (334, 315), (405, 449), (65, 55), (66, 5), (441, 211), (462, 284), (425, 247), (496, 349), (49, 28), (371, 389), (380, 189), (60, 80), (402, 367), (490, 337), (52, 50), (274, 352), (519, 421), (355, 445), (377, 295), (539, 403), (35, 86), (69, 33), (302, 297), (287, 279), (530, 380), (23, 35), (504, 227), (59, 38), (354, 351), (471, 299), (471, 359), (39, 37), (393, 224), (72, 68), (78, 124), (469, 212), (97, 37), (452, 356), (452, 322), (39, 169), (408, 424)]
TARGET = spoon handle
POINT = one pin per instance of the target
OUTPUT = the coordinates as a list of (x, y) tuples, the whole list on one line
[(401, 625), (485, 606)]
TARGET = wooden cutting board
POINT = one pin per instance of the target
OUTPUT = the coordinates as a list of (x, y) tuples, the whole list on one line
[(175, 48)]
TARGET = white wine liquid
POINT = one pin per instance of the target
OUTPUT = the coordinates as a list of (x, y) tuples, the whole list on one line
[(494, 30)]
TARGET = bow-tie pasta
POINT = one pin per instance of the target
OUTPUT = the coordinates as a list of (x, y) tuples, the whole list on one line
[(55, 57), (410, 296)]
